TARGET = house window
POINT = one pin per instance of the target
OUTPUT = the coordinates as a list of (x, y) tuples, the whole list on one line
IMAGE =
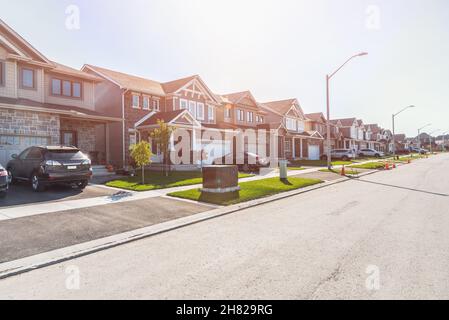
[(301, 126), (156, 105), (250, 116), (136, 101), (291, 124), (66, 88), (261, 119), (200, 111), (228, 113), (240, 115), (27, 80), (288, 146), (56, 87), (146, 103), (2, 73), (192, 108), (76, 90), (210, 113), (183, 104)]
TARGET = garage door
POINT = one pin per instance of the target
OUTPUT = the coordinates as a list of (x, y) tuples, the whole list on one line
[(13, 144), (314, 152)]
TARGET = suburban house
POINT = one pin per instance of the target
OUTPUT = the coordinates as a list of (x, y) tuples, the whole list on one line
[(317, 122), (353, 133), (401, 142), (46, 103), (375, 137), (184, 103), (295, 141)]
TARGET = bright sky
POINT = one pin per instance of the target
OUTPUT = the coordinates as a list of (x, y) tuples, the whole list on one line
[(278, 49)]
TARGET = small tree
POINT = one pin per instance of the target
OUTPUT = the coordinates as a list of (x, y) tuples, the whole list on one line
[(141, 153), (162, 135)]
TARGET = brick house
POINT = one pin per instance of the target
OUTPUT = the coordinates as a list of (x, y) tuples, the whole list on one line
[(317, 122), (295, 140), (185, 103), (45, 103)]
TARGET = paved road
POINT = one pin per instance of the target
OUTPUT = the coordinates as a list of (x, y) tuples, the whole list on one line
[(321, 244)]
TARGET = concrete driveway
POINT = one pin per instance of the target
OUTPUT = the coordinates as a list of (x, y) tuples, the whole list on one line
[(21, 194)]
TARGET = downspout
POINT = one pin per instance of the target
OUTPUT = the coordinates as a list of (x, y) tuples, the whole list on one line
[(123, 129)]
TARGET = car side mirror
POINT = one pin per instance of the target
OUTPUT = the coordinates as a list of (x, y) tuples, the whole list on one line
[(14, 156)]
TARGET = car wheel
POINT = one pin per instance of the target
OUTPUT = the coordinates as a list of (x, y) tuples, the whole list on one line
[(11, 178), (36, 184), (345, 158), (377, 155), (82, 184)]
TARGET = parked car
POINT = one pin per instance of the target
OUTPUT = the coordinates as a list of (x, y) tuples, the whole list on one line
[(418, 150), (4, 181), (251, 162), (371, 153), (341, 154), (48, 165)]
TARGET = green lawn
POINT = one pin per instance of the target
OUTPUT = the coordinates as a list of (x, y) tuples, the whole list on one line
[(296, 168), (318, 163), (350, 172), (369, 165), (249, 190), (157, 180)]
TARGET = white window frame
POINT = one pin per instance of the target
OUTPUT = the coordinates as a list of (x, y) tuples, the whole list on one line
[(200, 111), (228, 113), (192, 108), (250, 116), (156, 105), (138, 101), (210, 113), (146, 99), (181, 102), (291, 124), (240, 115), (301, 126)]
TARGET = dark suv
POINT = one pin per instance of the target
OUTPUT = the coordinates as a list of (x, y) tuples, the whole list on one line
[(46, 165), (3, 181)]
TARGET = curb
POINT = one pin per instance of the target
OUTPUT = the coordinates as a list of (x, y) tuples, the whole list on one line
[(24, 265)]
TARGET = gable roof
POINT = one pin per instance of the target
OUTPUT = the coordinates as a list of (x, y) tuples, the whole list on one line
[(347, 122), (317, 116), (127, 81), (281, 107), (175, 85), (63, 69), (21, 46)]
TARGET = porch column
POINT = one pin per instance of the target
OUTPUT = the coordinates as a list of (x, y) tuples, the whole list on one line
[(301, 153), (293, 148), (107, 143)]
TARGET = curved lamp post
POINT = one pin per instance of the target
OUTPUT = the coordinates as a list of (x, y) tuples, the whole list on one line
[(394, 138), (328, 127), (419, 134)]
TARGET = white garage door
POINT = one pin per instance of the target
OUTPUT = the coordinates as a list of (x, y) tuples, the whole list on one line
[(13, 144), (215, 149), (314, 152)]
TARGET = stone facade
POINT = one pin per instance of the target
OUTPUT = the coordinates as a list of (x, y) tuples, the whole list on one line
[(27, 123), (85, 131)]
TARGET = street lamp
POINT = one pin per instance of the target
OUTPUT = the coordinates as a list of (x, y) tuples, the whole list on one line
[(394, 138), (430, 135), (328, 126), (419, 133)]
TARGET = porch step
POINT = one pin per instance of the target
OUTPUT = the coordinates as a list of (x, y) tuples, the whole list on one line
[(101, 171)]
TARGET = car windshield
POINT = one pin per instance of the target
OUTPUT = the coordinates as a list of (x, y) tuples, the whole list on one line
[(65, 155)]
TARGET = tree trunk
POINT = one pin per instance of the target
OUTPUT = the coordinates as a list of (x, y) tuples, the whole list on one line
[(143, 175)]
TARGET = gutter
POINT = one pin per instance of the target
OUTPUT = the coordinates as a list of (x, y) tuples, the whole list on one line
[(123, 128)]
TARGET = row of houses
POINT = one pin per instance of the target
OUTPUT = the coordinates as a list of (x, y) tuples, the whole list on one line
[(103, 112)]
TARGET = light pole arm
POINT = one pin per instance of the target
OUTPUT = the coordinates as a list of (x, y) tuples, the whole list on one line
[(347, 61)]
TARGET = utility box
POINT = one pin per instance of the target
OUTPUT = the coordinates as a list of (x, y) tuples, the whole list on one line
[(283, 170), (220, 179)]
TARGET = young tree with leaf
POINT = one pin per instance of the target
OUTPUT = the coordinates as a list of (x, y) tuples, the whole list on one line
[(141, 153), (162, 135)]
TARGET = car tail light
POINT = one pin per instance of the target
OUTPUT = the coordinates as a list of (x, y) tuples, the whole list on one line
[(3, 173)]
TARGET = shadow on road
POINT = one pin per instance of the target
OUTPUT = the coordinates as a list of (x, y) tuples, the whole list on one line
[(400, 187)]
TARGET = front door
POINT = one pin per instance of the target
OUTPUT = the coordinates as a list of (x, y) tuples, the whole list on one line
[(69, 138)]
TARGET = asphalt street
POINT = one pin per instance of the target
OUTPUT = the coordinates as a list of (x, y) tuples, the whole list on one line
[(384, 236)]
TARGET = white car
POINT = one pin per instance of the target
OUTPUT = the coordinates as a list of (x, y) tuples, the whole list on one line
[(371, 153)]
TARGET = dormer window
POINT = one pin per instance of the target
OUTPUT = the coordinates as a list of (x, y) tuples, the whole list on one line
[(65, 88), (210, 113), (291, 124)]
